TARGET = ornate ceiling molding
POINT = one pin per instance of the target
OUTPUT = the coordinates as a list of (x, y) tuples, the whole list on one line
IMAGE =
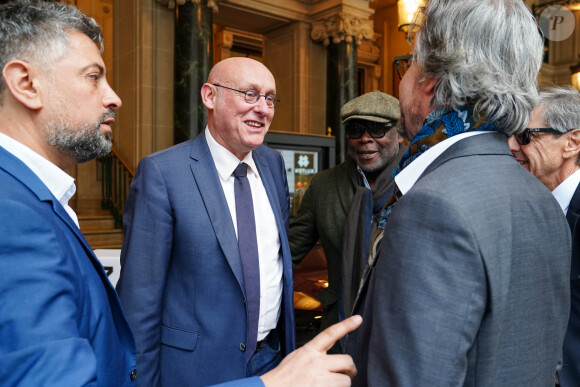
[(342, 27), (171, 3)]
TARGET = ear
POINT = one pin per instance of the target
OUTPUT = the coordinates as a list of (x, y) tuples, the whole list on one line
[(208, 95), (22, 81), (400, 138), (428, 86), (572, 146)]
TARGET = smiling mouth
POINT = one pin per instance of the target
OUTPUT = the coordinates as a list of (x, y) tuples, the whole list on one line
[(254, 124), (366, 155)]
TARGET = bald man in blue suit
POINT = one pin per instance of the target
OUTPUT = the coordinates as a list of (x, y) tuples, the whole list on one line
[(182, 284)]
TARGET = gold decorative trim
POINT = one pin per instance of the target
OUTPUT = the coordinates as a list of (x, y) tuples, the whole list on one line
[(342, 27)]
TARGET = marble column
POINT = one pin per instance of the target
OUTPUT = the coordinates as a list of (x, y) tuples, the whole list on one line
[(341, 87), (340, 33), (193, 56)]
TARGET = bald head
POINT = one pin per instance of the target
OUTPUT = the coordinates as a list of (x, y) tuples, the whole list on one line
[(237, 123), (232, 70)]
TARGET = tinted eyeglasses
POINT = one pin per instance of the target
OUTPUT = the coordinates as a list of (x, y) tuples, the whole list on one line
[(523, 138), (252, 96), (402, 64), (355, 129)]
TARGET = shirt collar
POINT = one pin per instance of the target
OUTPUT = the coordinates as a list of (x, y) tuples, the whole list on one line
[(565, 191), (59, 183), (364, 178), (224, 160), (411, 173)]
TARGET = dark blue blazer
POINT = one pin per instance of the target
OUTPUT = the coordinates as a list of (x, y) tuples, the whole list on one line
[(181, 281), (61, 322), (570, 373)]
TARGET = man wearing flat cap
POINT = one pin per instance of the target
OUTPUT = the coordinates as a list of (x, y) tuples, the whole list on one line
[(340, 205)]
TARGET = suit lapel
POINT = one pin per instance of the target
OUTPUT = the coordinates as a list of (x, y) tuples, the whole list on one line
[(21, 172), (573, 216), (207, 180)]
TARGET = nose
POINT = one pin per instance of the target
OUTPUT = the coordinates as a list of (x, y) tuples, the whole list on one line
[(262, 107), (366, 137), (514, 145), (110, 98)]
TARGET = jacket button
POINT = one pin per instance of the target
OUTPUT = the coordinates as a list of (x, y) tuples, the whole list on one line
[(242, 347), (244, 301), (133, 375)]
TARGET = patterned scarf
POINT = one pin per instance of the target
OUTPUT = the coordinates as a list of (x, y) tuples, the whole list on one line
[(438, 127)]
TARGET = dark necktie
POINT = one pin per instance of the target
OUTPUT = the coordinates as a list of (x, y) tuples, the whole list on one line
[(248, 246)]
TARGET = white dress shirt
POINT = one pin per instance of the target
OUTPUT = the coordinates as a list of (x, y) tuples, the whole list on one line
[(59, 183), (271, 268), (564, 192)]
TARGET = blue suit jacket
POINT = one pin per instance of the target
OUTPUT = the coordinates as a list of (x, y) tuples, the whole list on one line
[(61, 322), (570, 372), (181, 281)]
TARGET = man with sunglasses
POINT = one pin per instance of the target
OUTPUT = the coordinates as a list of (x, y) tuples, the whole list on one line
[(550, 149), (340, 205), (469, 284)]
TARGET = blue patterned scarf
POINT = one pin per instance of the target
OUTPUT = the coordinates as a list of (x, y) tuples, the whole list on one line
[(438, 127)]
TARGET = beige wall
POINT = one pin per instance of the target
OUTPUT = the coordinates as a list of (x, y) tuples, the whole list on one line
[(144, 78), (299, 67)]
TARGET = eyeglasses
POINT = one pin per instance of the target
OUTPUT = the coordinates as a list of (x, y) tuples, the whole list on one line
[(355, 129), (402, 64), (252, 96), (523, 138)]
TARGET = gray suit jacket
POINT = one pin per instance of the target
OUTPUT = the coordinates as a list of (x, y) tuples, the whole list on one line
[(471, 286)]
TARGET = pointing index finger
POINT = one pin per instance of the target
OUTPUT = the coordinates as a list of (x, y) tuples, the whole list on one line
[(326, 339)]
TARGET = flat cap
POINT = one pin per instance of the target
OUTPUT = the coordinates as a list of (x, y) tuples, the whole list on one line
[(374, 106)]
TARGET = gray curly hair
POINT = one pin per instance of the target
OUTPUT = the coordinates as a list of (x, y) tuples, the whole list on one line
[(485, 53)]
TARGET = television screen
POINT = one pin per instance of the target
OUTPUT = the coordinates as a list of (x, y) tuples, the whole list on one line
[(304, 155)]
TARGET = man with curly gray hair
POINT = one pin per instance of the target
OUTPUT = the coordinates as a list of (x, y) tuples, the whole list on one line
[(463, 286)]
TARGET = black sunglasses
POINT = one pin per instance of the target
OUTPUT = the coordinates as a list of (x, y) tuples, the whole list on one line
[(355, 129), (523, 138)]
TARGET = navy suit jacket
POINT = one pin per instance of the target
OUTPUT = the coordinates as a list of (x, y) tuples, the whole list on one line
[(570, 373), (61, 322), (181, 280)]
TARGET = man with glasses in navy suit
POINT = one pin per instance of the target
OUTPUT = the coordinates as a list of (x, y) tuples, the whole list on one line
[(549, 148)]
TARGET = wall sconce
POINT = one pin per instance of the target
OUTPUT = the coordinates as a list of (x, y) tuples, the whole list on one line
[(575, 70), (407, 10)]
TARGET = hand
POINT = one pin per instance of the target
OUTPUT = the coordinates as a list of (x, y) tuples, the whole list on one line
[(310, 365)]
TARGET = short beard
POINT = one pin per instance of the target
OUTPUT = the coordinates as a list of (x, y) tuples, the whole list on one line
[(410, 124), (82, 143)]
